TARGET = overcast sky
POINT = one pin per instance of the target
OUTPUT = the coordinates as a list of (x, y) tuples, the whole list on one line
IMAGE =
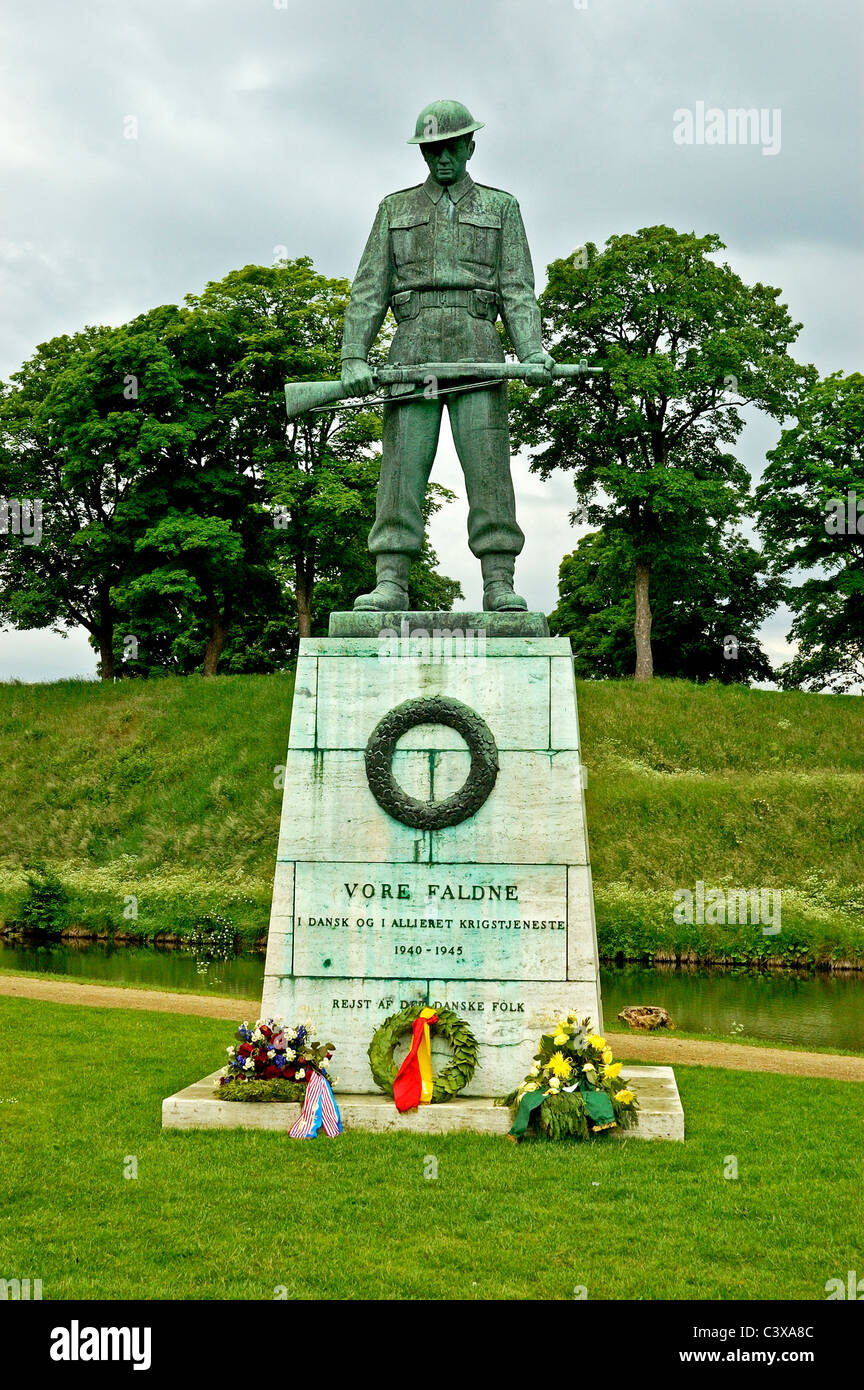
[(258, 125)]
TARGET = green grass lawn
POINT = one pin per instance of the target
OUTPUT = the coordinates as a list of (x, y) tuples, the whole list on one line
[(165, 790), (235, 1214)]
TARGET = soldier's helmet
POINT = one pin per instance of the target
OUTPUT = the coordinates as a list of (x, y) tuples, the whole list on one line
[(443, 120)]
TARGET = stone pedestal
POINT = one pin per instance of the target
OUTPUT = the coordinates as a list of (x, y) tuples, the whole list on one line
[(491, 916)]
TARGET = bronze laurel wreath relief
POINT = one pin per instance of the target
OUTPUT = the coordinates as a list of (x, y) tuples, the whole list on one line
[(431, 815)]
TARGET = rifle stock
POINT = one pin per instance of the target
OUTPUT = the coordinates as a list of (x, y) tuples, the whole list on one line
[(308, 395)]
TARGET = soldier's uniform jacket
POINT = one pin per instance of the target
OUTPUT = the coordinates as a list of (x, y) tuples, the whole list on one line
[(447, 261)]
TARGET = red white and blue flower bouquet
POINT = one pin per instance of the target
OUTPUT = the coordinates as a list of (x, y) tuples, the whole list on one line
[(270, 1062)]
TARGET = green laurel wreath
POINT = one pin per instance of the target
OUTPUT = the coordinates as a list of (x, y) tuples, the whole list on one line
[(274, 1089), (453, 1079)]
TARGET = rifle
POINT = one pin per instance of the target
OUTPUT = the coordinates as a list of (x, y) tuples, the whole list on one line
[(316, 395)]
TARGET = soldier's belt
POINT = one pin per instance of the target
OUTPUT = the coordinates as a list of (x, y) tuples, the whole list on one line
[(481, 304)]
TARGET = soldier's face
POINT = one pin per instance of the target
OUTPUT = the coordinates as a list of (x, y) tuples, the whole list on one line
[(447, 158)]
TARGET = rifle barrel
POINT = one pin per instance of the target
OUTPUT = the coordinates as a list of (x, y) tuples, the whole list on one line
[(301, 396), (483, 371)]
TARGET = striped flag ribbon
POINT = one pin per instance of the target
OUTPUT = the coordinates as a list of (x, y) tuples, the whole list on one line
[(414, 1081), (319, 1108)]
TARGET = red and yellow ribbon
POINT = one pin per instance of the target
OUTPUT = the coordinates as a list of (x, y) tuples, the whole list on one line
[(414, 1082)]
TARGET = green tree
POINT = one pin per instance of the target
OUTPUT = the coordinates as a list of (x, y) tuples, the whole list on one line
[(200, 577), (155, 537), (83, 422), (705, 615), (685, 343), (811, 516)]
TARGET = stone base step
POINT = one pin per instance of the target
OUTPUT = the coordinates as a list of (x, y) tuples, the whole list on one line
[(366, 623), (660, 1115)]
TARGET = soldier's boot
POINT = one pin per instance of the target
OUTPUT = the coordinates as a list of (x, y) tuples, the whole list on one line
[(390, 594), (498, 595)]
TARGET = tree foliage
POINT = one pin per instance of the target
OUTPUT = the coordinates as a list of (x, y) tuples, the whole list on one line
[(811, 515), (80, 435), (685, 344)]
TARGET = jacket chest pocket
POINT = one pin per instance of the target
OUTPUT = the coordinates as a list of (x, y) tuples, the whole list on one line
[(409, 239), (480, 238)]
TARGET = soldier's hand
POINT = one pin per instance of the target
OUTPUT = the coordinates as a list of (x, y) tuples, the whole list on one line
[(544, 361), (357, 379)]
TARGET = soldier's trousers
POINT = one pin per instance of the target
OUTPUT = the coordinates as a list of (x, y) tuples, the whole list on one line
[(481, 434)]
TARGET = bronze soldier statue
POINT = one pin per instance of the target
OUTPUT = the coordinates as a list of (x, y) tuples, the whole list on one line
[(448, 256)]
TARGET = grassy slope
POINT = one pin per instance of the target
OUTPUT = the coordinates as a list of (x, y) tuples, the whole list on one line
[(739, 788), (626, 1220), (165, 791), (162, 790)]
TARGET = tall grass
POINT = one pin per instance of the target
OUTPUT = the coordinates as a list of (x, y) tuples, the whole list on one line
[(158, 791), (739, 789)]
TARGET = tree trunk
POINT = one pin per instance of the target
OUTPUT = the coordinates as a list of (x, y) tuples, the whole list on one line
[(215, 644), (106, 636), (642, 626), (303, 589), (106, 654)]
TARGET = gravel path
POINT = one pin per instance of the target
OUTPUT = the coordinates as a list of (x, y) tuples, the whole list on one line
[(660, 1048), (110, 997), (686, 1052)]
